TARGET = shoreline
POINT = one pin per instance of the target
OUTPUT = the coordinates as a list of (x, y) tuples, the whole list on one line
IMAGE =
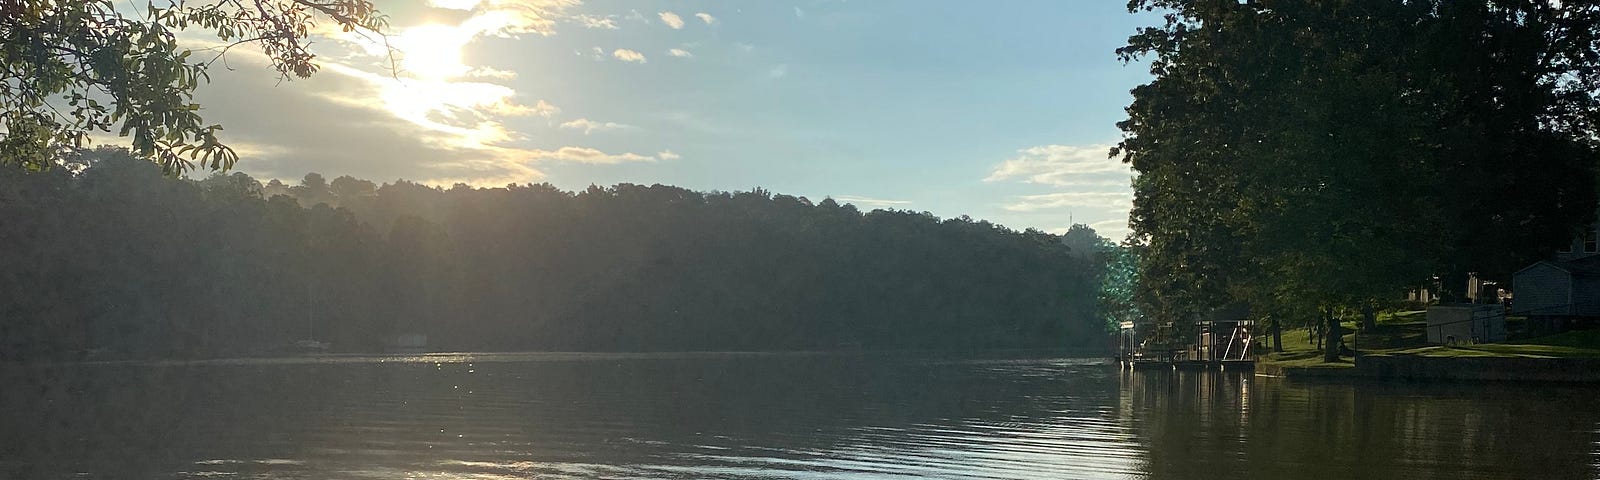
[(1445, 369)]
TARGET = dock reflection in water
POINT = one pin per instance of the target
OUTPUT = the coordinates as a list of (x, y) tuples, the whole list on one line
[(768, 416)]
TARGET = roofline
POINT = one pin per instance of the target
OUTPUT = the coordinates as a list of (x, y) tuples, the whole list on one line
[(1556, 266), (1545, 262)]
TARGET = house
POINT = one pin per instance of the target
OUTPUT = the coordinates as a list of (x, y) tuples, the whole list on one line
[(1557, 293), (1558, 289)]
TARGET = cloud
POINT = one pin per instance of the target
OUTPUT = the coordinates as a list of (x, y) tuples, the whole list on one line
[(344, 121), (544, 109), (492, 73), (589, 126), (778, 71), (869, 201), (608, 22), (672, 20), (589, 156), (800, 14), (510, 18), (439, 120), (1111, 229), (668, 155), (628, 55), (706, 17), (1049, 201), (1062, 165), (1097, 188), (678, 52)]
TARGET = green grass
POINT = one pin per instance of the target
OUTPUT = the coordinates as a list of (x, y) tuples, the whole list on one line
[(1405, 333), (1586, 339), (1412, 316), (1299, 352)]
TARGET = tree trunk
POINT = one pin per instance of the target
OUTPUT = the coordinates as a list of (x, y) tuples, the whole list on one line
[(1369, 318), (1331, 352), (1277, 335)]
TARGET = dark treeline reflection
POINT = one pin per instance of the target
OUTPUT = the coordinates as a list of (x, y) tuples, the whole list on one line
[(1200, 425), (656, 416), (479, 416), (118, 261)]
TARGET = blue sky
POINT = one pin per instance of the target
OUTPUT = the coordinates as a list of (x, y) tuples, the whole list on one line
[(998, 110)]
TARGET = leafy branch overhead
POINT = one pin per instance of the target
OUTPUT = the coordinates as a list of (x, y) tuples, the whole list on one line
[(71, 69)]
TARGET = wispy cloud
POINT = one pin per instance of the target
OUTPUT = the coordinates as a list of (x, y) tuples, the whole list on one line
[(441, 119), (627, 55), (608, 22), (543, 109), (869, 201), (1111, 229), (1061, 165), (492, 73), (589, 126), (678, 52), (800, 14), (588, 155), (672, 20), (511, 17), (706, 17), (435, 131), (778, 71), (1047, 201), (1099, 187)]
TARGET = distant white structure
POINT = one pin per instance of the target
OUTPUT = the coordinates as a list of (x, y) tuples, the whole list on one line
[(1466, 323), (408, 343)]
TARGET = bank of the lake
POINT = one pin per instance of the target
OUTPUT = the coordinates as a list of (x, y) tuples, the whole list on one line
[(1395, 351), (1420, 367)]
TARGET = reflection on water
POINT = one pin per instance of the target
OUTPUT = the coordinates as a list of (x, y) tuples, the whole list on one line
[(768, 416)]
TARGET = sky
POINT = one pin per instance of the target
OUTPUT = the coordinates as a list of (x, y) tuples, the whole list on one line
[(1002, 112)]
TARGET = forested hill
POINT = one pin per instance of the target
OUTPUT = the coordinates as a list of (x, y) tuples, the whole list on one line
[(118, 261)]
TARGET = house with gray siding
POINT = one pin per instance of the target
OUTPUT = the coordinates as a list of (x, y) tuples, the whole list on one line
[(1558, 288)]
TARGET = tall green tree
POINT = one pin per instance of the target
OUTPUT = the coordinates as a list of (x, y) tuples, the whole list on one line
[(1305, 156)]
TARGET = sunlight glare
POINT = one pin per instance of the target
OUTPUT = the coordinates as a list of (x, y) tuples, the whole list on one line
[(433, 51)]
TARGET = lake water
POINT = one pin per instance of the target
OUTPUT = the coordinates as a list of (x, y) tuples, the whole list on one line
[(770, 416)]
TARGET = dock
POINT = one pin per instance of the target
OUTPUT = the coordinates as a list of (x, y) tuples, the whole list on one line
[(1246, 364)]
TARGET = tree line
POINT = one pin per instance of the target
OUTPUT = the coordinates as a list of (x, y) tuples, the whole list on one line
[(106, 257), (1312, 158)]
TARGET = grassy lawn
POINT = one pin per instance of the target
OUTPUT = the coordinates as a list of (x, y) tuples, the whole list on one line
[(1405, 333), (1298, 351), (1586, 339)]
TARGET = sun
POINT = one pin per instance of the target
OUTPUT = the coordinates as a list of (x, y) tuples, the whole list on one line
[(433, 52)]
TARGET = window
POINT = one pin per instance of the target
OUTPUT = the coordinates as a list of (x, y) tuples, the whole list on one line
[(1591, 243)]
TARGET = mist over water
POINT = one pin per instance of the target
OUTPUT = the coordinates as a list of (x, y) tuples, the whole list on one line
[(767, 416)]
